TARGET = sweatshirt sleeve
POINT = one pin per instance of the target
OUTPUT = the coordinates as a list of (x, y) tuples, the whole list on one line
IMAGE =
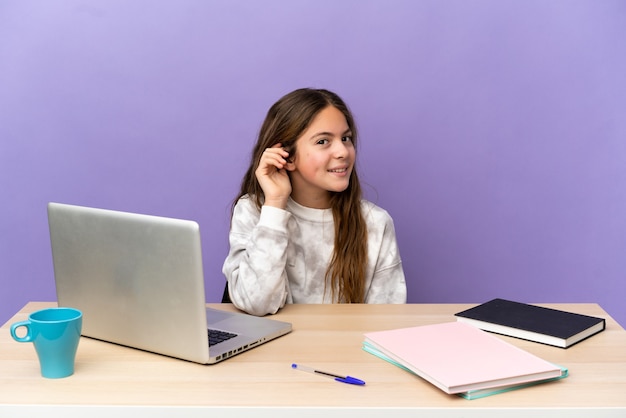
[(388, 284), (255, 265)]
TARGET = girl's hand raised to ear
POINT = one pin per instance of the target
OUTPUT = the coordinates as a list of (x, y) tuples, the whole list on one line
[(273, 178)]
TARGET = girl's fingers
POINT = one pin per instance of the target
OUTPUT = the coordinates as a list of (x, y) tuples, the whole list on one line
[(274, 156)]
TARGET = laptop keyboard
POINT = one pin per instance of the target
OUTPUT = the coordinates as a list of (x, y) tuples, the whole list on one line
[(216, 336)]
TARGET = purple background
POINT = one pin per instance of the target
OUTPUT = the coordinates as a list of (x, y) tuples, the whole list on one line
[(494, 132)]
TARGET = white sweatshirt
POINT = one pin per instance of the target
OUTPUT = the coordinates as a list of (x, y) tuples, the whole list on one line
[(281, 256)]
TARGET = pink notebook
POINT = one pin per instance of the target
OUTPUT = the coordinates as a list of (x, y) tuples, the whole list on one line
[(457, 357)]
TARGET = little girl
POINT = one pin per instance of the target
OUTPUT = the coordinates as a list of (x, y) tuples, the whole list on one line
[(300, 231)]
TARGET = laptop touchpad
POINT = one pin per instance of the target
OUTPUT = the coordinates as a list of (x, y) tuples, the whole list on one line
[(214, 315)]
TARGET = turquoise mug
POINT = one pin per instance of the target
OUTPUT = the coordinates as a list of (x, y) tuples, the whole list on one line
[(55, 333)]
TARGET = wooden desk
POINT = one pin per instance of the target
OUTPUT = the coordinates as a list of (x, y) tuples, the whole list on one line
[(111, 380)]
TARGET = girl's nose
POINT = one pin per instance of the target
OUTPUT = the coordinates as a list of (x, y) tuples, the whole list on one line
[(340, 149)]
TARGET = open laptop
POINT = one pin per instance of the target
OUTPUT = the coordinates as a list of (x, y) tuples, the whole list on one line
[(139, 282)]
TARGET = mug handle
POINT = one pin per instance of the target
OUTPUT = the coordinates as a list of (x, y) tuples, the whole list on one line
[(25, 339)]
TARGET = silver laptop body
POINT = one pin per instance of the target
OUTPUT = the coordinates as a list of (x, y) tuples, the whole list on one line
[(139, 281)]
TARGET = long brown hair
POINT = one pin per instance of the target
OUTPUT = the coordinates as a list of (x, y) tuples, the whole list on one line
[(286, 120)]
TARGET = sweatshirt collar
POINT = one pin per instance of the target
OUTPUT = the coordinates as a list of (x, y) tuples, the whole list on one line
[(309, 214)]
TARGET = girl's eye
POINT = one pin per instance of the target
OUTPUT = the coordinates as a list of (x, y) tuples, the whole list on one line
[(322, 141), (347, 139)]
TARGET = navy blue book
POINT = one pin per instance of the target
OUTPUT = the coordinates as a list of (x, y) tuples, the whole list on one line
[(531, 322)]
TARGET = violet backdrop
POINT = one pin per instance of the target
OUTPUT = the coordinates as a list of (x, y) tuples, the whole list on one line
[(494, 132)]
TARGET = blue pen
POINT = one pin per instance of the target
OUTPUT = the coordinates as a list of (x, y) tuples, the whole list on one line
[(344, 379)]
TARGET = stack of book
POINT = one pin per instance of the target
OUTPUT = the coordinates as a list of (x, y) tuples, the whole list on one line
[(461, 359)]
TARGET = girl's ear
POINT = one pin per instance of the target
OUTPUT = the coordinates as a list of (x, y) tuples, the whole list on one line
[(290, 166)]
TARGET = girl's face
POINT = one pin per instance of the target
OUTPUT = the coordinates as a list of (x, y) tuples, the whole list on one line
[(323, 161)]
